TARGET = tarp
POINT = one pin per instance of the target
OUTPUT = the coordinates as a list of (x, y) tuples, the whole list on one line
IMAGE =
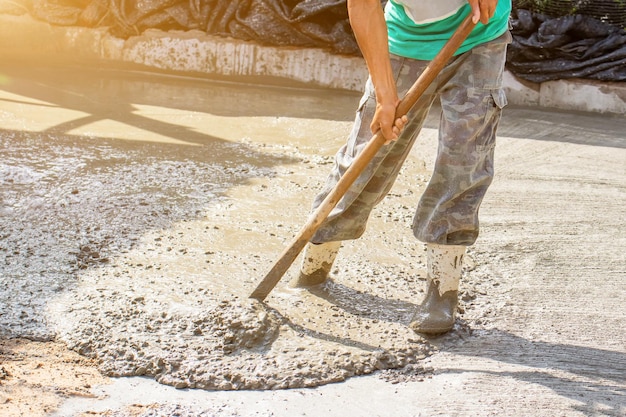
[(575, 46)]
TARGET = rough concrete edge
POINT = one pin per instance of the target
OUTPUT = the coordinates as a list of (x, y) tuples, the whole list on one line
[(571, 94), (195, 51), (199, 53)]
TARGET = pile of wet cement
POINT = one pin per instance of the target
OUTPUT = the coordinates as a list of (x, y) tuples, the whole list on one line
[(238, 344)]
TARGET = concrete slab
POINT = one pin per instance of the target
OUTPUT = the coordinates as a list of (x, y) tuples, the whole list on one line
[(183, 185)]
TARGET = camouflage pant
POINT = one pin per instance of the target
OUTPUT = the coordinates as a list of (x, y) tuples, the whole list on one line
[(471, 96)]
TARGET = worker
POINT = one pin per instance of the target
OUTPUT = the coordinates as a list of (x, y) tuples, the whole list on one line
[(397, 43)]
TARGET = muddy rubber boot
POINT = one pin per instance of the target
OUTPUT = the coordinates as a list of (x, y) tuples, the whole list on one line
[(437, 312), (316, 263)]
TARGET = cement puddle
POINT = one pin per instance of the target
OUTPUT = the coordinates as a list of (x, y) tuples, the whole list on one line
[(138, 212)]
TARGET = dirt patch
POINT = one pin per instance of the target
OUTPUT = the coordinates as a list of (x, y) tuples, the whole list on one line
[(35, 377)]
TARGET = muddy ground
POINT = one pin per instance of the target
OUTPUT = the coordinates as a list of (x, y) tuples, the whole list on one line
[(138, 211)]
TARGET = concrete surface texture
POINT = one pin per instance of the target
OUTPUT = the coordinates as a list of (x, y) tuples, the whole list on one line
[(139, 210)]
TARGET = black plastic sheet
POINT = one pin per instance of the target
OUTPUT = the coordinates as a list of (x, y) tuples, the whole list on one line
[(575, 46)]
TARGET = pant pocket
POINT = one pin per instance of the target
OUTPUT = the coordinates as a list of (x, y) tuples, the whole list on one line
[(499, 97), (494, 101)]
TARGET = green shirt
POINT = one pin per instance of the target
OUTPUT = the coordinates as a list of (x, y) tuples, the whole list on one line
[(423, 40)]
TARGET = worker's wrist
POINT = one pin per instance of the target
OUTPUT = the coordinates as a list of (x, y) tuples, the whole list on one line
[(386, 96)]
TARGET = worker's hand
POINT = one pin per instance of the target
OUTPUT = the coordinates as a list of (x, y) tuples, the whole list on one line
[(482, 10), (385, 120)]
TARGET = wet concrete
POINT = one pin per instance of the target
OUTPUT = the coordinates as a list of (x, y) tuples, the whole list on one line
[(139, 211), (120, 236)]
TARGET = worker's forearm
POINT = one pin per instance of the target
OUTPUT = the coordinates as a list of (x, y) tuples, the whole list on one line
[(368, 24)]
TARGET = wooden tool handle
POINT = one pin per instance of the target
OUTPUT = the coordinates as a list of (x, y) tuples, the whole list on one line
[(360, 162)]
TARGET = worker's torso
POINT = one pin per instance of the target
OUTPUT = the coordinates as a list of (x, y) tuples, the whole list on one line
[(419, 28)]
